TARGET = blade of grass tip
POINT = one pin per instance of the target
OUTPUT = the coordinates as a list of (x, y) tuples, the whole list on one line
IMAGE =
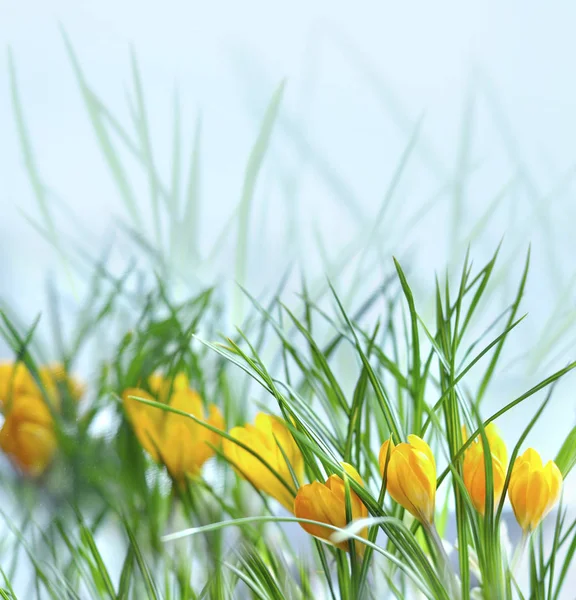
[(514, 310), (462, 166), (141, 123), (141, 562), (338, 187), (176, 154), (38, 187), (466, 369), (333, 390), (106, 146), (534, 194), (368, 242), (253, 168), (383, 401), (487, 272), (190, 226), (417, 389)]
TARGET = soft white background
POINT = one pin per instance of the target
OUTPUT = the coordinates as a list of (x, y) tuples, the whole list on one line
[(359, 76)]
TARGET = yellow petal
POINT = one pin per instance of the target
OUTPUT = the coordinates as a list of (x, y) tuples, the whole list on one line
[(147, 421), (203, 446), (384, 453), (517, 492), (537, 495), (419, 444), (27, 435), (251, 468), (532, 458), (399, 474), (325, 503), (308, 506), (533, 489), (554, 479)]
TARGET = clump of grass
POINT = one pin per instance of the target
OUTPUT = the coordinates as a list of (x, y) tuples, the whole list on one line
[(345, 371)]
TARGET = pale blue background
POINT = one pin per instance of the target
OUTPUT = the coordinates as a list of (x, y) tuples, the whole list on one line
[(359, 75)]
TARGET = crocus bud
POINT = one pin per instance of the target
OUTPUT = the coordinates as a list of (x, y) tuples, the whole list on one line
[(326, 502), (270, 439), (533, 489), (411, 476), (474, 472)]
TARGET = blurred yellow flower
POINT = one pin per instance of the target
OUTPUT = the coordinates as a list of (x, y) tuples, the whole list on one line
[(411, 476), (473, 467), (16, 380), (326, 502), (178, 442), (533, 489), (27, 435), (271, 440)]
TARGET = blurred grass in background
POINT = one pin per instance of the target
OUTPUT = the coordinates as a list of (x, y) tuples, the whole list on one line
[(336, 362)]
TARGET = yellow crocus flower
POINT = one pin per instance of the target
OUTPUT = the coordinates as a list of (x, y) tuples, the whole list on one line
[(176, 441), (473, 467), (27, 436), (16, 381), (411, 476), (271, 440), (533, 489), (326, 502)]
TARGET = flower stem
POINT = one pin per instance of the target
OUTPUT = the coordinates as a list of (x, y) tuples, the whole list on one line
[(518, 553), (448, 575)]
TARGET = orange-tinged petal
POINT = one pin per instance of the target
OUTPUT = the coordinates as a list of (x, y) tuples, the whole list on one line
[(27, 435), (327, 503), (308, 506)]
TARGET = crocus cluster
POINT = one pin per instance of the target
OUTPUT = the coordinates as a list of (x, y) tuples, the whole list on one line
[(410, 472), (266, 454), (411, 478), (27, 436)]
